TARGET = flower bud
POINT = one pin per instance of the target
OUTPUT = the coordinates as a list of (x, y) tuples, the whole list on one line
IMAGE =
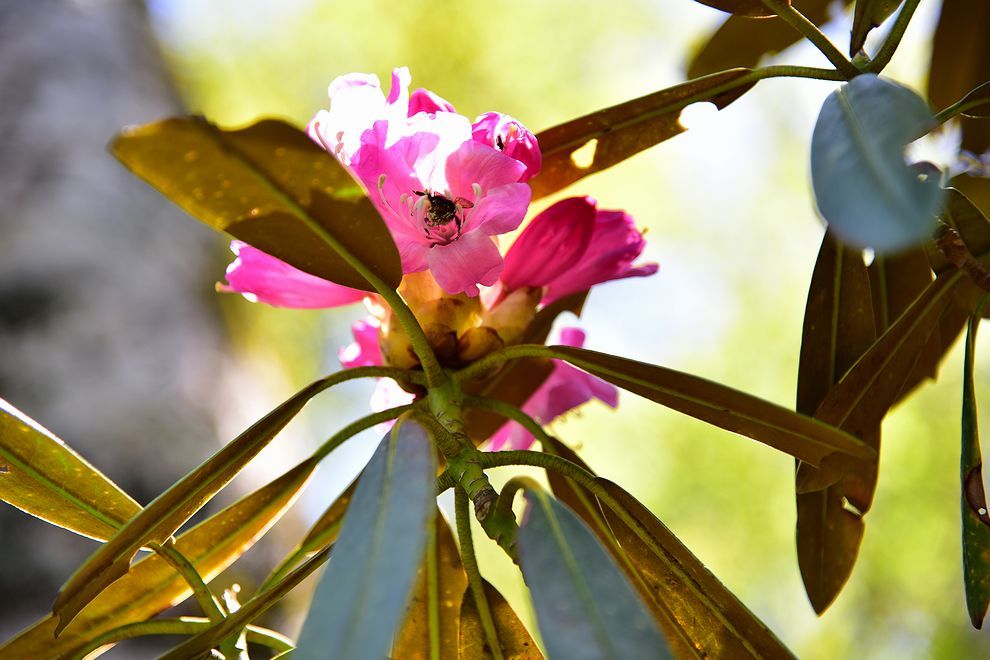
[(511, 138)]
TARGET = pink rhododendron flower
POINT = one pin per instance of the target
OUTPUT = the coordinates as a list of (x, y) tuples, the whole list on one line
[(263, 278), (511, 138), (442, 194), (364, 351), (565, 389), (549, 251)]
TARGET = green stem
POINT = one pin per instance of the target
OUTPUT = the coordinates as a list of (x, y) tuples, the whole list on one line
[(800, 22), (512, 412), (959, 107), (889, 46), (204, 596), (470, 562), (445, 482), (362, 424)]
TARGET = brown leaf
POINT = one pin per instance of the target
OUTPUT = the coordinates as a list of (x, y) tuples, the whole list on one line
[(594, 142), (749, 8), (515, 640), (868, 15)]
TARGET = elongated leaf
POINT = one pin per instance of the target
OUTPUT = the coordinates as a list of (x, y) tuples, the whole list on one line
[(585, 606), (839, 326), (977, 102), (864, 395), (865, 191), (749, 8), (42, 476), (518, 380), (361, 597), (740, 41), (513, 637), (975, 519), (703, 619), (800, 436), (436, 597), (170, 510), (960, 62), (594, 142), (268, 185), (152, 585), (868, 15), (264, 600)]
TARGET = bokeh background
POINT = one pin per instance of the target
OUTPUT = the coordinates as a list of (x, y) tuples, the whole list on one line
[(111, 333)]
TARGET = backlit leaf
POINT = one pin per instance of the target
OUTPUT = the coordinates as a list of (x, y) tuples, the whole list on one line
[(268, 185), (975, 519), (863, 187), (749, 8), (740, 41), (838, 327), (42, 476), (800, 436), (152, 585), (439, 589), (170, 510), (868, 15), (960, 62), (585, 606), (703, 619), (513, 637), (360, 599), (594, 142)]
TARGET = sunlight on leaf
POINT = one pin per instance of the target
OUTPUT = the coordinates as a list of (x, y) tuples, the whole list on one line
[(513, 637)]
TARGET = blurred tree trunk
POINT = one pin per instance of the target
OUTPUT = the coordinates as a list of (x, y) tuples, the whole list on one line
[(109, 334)]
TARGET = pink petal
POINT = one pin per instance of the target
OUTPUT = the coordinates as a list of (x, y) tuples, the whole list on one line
[(500, 211), (615, 244), (552, 243), (511, 138), (463, 264), (274, 282), (423, 100), (364, 351), (475, 163)]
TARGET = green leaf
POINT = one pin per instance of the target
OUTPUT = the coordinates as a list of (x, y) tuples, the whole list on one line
[(270, 186), (800, 436), (433, 618), (170, 510), (594, 142), (977, 102), (862, 397), (839, 326), (361, 597), (863, 187), (42, 476), (152, 585), (701, 618), (960, 62), (513, 637), (975, 519), (868, 15), (748, 8), (740, 41), (585, 606), (517, 380)]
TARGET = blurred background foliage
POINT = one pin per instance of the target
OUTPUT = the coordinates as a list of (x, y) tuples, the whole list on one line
[(730, 218)]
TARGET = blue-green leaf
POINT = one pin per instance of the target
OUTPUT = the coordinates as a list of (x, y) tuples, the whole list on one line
[(362, 595), (864, 189), (585, 606)]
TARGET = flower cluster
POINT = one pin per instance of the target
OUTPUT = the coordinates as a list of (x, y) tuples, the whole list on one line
[(446, 187)]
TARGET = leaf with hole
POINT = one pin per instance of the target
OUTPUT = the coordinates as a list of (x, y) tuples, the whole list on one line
[(270, 186), (585, 606), (975, 519), (865, 191), (42, 476), (359, 602), (798, 435), (170, 510), (594, 142), (152, 585)]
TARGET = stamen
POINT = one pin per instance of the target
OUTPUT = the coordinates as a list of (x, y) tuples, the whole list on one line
[(476, 188)]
